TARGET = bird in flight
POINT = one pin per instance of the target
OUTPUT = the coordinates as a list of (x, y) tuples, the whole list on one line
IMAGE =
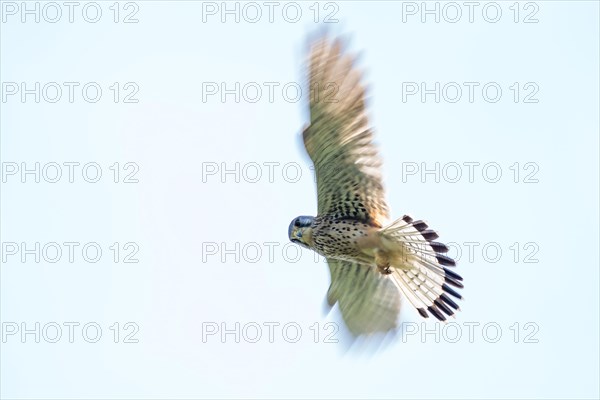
[(373, 262)]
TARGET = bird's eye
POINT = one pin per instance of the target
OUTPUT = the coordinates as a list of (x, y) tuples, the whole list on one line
[(297, 222)]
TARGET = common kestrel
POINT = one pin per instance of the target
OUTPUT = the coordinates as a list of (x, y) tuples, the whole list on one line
[(373, 263)]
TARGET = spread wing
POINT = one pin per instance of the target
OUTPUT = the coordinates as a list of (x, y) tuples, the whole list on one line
[(369, 301), (339, 139)]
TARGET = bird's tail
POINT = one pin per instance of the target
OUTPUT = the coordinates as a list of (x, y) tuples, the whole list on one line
[(420, 268)]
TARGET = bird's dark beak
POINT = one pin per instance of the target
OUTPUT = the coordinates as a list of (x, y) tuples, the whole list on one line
[(296, 235)]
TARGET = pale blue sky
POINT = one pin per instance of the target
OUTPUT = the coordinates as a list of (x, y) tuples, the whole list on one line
[(175, 212)]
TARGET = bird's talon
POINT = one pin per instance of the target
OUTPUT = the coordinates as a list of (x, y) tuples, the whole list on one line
[(385, 270)]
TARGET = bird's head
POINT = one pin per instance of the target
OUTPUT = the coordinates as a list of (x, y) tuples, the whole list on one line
[(300, 231)]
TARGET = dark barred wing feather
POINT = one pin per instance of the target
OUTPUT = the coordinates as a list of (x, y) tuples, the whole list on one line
[(339, 139)]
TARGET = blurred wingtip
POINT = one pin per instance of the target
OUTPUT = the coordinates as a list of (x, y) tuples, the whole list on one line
[(300, 145)]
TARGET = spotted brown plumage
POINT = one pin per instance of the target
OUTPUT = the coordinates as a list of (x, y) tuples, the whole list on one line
[(373, 263), (339, 139)]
